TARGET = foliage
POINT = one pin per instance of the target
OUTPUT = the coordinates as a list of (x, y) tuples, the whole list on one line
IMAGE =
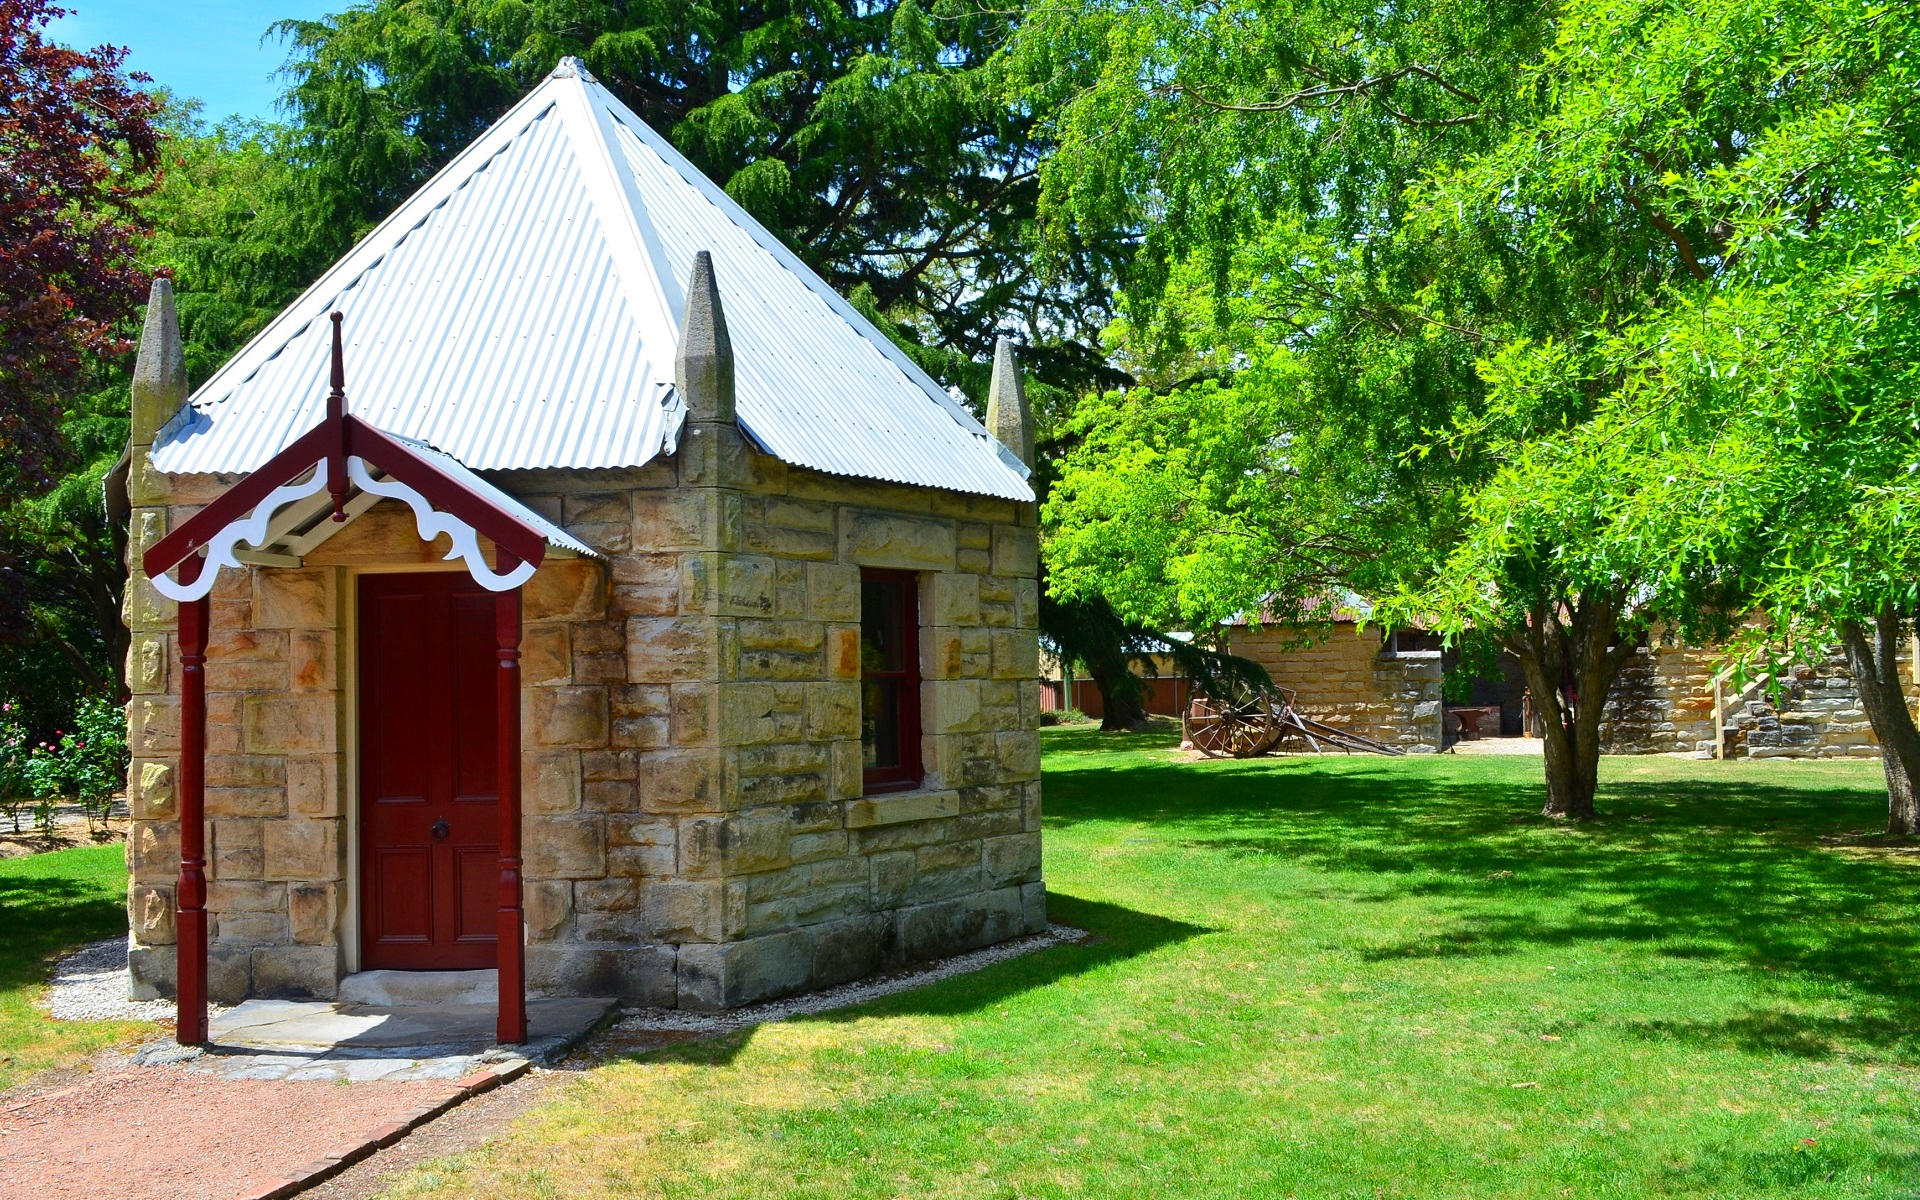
[(1476, 658), (1297, 353), (230, 226), (78, 149), (1293, 956), (87, 763), (1734, 422), (15, 747), (63, 632), (1606, 322), (874, 137)]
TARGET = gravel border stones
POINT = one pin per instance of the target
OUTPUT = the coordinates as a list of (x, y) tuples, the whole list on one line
[(91, 985)]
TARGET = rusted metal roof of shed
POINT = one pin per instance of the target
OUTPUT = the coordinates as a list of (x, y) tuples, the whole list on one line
[(523, 308)]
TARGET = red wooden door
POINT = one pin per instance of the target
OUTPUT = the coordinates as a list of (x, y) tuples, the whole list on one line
[(429, 798)]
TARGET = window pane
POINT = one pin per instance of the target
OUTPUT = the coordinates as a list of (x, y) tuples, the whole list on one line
[(880, 641), (880, 722)]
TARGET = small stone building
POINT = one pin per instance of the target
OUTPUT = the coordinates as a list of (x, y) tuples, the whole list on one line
[(770, 593), (1670, 698), (1354, 676)]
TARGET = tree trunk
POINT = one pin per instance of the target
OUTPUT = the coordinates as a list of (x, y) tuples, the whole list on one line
[(1121, 703), (1572, 762), (1871, 656), (1577, 644)]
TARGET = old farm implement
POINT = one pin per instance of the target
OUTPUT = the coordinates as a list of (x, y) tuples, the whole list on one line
[(1250, 720)]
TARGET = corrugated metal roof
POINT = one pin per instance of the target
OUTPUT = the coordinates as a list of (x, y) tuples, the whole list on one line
[(522, 310)]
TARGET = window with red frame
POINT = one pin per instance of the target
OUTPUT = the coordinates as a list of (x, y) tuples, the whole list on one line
[(890, 680)]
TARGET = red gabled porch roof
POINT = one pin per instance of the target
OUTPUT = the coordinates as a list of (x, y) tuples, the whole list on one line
[(337, 454)]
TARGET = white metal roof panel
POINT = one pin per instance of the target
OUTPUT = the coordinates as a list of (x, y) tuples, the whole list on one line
[(522, 310)]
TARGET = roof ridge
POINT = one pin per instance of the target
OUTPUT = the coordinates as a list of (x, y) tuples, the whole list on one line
[(522, 309), (771, 243)]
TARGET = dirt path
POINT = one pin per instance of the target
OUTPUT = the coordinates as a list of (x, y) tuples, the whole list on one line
[(171, 1133), (475, 1123)]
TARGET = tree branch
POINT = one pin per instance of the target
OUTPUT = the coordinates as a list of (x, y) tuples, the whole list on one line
[(1674, 235), (1329, 95)]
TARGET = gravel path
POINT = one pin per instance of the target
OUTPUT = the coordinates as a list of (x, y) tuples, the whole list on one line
[(91, 985)]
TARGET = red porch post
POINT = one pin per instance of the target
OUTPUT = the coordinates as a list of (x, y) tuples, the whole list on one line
[(190, 896), (511, 946)]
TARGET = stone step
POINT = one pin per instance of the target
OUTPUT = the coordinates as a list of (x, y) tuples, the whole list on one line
[(405, 989)]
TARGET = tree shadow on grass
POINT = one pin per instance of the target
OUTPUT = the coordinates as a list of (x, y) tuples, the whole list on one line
[(1116, 935), (1690, 861), (41, 915)]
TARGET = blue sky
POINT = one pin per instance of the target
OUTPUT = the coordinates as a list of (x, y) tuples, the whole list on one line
[(208, 49)]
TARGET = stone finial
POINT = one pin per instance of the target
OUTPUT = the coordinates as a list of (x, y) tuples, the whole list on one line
[(571, 67), (1008, 417), (160, 373), (703, 367)]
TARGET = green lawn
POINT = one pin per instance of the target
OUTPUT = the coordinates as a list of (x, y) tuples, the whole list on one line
[(50, 903), (1339, 977)]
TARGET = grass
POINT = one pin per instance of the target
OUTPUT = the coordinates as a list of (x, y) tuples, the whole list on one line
[(1346, 977), (50, 903)]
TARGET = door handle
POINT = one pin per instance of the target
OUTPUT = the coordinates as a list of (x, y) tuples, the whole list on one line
[(440, 830)]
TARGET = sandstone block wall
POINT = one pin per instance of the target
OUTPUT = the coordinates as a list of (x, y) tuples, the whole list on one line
[(695, 830), (275, 825), (1352, 680), (1663, 703)]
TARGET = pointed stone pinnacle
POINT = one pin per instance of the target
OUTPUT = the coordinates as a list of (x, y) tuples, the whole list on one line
[(1008, 417), (160, 373), (703, 367)]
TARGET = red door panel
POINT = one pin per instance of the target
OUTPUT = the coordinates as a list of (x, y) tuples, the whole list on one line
[(429, 802), (403, 879), (476, 908)]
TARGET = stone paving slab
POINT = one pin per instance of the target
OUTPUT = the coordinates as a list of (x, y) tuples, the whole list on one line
[(326, 1167), (301, 1040)]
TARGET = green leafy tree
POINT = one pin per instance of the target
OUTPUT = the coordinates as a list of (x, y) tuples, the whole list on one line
[(77, 151), (1297, 352), (1613, 335), (60, 556), (876, 138), (1756, 423)]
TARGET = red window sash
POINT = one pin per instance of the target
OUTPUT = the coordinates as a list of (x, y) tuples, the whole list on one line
[(908, 774)]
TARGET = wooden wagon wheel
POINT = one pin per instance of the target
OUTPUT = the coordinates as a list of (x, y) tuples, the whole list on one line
[(1237, 727)]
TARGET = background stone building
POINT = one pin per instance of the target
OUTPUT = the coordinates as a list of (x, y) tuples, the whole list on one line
[(1355, 677), (1670, 698), (734, 472)]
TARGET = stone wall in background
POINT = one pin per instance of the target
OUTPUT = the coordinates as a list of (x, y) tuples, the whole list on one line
[(1663, 703), (1350, 679)]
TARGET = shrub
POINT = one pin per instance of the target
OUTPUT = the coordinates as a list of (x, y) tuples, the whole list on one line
[(87, 763), (15, 791)]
